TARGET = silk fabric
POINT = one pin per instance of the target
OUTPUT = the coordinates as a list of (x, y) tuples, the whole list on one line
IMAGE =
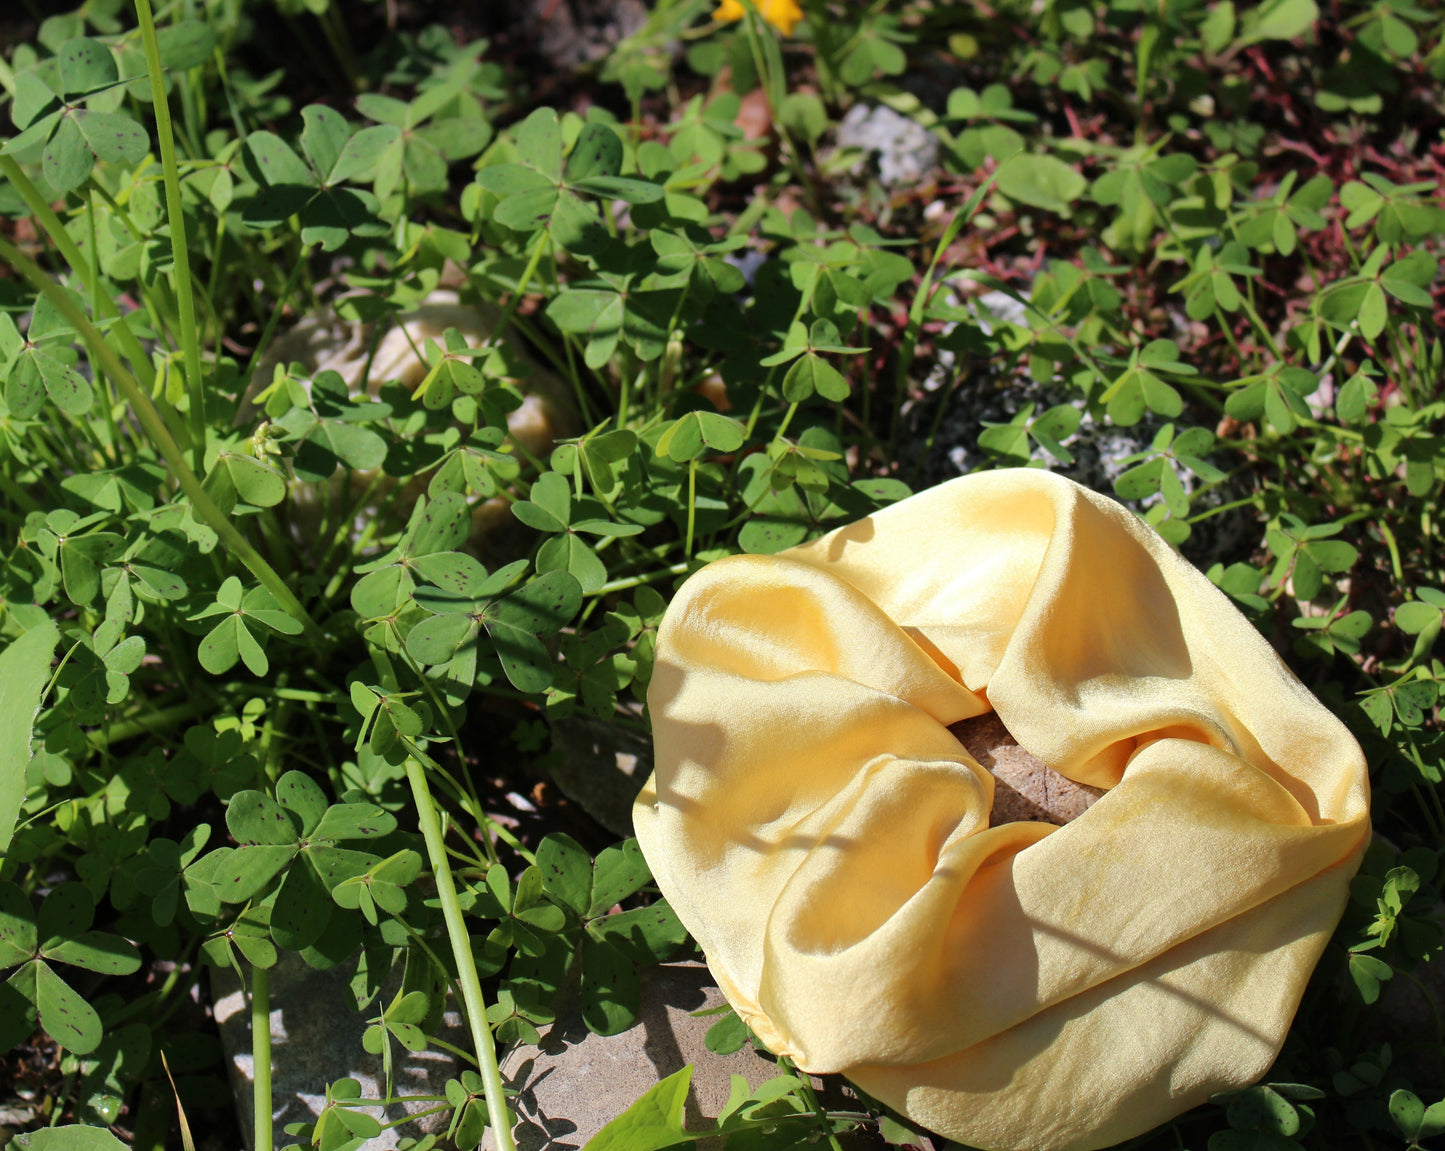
[(826, 840)]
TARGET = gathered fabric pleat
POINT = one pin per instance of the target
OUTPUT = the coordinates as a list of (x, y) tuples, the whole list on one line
[(826, 839)]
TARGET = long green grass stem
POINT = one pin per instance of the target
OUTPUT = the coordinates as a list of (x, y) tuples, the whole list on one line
[(55, 232), (180, 253), (920, 306), (471, 985), (150, 419), (261, 1057)]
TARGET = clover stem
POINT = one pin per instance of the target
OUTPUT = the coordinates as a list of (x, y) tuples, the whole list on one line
[(180, 252), (471, 985), (787, 419), (810, 1097), (261, 1056), (691, 503), (264, 343), (1389, 537)]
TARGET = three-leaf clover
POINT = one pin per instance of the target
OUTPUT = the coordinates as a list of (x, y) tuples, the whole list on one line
[(41, 363), (1275, 220), (1011, 440), (1304, 552), (313, 189), (1413, 1119), (175, 872), (1337, 630), (1210, 284), (1140, 184), (399, 1020), (810, 373), (608, 310), (231, 639), (612, 945), (72, 542), (525, 917), (1400, 212), (329, 430), (60, 933), (513, 622), (551, 508), (540, 191), (1363, 299), (1421, 618), (52, 115), (295, 836), (413, 142), (381, 885), (1277, 393), (1157, 472), (340, 1126), (1142, 385)]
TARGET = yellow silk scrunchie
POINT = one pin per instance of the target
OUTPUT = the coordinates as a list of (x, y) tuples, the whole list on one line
[(826, 839)]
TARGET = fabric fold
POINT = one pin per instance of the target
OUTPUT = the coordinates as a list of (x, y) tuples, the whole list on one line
[(826, 839)]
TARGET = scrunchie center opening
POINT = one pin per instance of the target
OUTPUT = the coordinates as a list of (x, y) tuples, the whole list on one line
[(1026, 790)]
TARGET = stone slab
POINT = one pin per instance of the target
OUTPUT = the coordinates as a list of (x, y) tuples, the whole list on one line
[(316, 1035), (574, 1083)]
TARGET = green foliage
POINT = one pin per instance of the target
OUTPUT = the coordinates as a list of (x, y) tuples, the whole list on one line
[(278, 592), (24, 669)]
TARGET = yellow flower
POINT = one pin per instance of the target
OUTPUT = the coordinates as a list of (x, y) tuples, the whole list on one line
[(781, 14)]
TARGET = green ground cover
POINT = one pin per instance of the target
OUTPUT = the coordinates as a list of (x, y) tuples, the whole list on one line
[(251, 647)]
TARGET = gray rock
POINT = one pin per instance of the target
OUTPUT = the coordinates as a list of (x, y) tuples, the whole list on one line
[(600, 766), (316, 1035), (574, 1083), (906, 151), (941, 424)]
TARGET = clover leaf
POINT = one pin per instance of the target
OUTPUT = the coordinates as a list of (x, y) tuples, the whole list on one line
[(609, 946), (550, 508), (400, 1021), (540, 191), (174, 874), (53, 117), (414, 143), (58, 934), (329, 431), (313, 189), (41, 364), (232, 638), (1304, 552), (609, 311), (811, 373), (514, 624), (294, 837), (1142, 385)]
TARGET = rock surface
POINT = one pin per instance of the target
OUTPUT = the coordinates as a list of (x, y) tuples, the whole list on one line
[(574, 1083), (1025, 789), (602, 767), (906, 151), (315, 1040)]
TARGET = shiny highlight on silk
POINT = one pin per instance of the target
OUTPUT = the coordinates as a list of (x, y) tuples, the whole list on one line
[(826, 840)]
